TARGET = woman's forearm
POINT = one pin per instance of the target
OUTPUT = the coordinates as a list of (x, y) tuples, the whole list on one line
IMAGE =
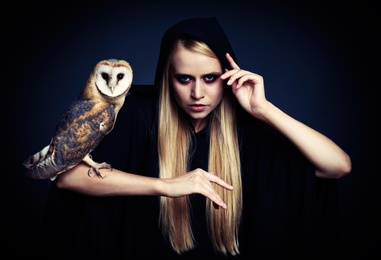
[(118, 183), (328, 158), (113, 183)]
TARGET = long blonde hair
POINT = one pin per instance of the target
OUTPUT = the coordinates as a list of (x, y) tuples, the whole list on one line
[(174, 138)]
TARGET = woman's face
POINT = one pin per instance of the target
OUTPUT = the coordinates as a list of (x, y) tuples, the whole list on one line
[(196, 83)]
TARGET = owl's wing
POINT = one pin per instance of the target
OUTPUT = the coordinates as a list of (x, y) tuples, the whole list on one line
[(79, 131)]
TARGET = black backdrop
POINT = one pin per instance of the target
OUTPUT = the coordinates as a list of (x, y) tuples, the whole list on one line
[(320, 62)]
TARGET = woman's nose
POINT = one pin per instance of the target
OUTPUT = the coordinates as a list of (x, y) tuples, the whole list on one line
[(197, 90)]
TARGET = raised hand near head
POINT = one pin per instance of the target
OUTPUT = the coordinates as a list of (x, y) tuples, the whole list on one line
[(247, 86)]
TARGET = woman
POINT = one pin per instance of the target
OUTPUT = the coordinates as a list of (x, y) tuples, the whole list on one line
[(204, 165)]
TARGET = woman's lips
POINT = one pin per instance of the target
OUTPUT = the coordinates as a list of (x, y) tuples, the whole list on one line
[(197, 108)]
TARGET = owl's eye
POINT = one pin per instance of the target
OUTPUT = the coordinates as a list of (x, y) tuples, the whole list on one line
[(105, 76), (120, 76)]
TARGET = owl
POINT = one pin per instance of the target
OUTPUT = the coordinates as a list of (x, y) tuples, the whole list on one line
[(89, 118)]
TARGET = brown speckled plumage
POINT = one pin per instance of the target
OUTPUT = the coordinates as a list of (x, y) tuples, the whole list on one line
[(86, 122)]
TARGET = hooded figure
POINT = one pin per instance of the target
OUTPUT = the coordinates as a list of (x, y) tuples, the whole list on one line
[(205, 29), (288, 213)]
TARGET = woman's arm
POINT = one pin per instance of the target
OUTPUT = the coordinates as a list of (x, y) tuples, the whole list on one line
[(328, 158), (119, 183)]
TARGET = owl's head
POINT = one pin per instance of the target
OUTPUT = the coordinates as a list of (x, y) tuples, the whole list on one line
[(112, 79)]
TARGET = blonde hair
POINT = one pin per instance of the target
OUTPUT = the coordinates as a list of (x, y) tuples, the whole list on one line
[(174, 138)]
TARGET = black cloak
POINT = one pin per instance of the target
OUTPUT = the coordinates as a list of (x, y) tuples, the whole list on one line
[(288, 212)]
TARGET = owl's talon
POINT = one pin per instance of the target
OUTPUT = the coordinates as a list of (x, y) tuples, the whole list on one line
[(96, 169), (89, 172), (99, 174)]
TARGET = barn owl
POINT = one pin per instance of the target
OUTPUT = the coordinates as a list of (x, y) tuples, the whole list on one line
[(86, 122)]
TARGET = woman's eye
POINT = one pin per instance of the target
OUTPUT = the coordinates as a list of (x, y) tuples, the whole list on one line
[(183, 78), (210, 78)]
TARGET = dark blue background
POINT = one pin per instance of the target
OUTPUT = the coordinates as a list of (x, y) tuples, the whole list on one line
[(319, 62)]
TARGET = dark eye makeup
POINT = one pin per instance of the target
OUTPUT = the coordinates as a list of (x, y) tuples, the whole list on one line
[(184, 78)]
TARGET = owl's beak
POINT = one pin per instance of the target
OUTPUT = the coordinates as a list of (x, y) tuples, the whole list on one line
[(112, 89)]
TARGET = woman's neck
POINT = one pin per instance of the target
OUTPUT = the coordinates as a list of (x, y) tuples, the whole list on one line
[(199, 124)]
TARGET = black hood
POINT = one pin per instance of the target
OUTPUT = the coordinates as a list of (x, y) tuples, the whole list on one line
[(205, 29)]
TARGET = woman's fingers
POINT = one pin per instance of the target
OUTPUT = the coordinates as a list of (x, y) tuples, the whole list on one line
[(196, 181), (205, 186), (213, 178), (236, 76), (233, 64)]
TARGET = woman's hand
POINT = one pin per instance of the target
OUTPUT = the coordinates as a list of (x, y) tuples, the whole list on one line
[(248, 88), (196, 181)]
